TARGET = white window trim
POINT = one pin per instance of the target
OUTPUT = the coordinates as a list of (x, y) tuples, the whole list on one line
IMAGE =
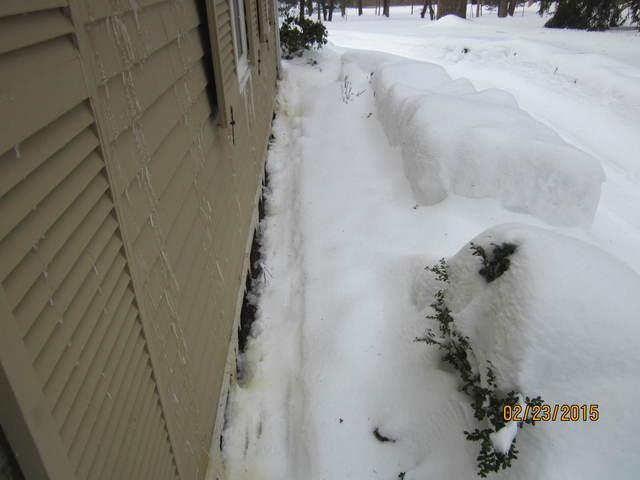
[(242, 61)]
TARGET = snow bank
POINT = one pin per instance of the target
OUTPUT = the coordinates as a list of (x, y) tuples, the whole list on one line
[(562, 322), (450, 21), (479, 144)]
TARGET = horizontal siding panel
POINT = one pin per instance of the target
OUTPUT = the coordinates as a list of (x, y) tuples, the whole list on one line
[(34, 263), (60, 339), (38, 148), (118, 43), (111, 285), (48, 270), (26, 312), (164, 163), (132, 450), (130, 428), (149, 463), (18, 31), (179, 141), (182, 179), (19, 66), (144, 461), (157, 277), (53, 312), (199, 280), (156, 125), (38, 101), (195, 307), (157, 75), (27, 195), (77, 391), (122, 351), (114, 398), (84, 185), (116, 421), (15, 7), (183, 232), (98, 9)]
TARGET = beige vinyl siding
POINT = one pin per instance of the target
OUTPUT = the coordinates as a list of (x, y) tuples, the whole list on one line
[(127, 202), (62, 265), (158, 123)]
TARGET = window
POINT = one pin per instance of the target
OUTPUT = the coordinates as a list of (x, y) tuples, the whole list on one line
[(205, 40), (240, 39)]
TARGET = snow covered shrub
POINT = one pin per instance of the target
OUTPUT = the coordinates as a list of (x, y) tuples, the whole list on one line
[(560, 321), (496, 437), (298, 35)]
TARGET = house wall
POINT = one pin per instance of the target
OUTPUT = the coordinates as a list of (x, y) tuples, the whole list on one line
[(131, 159)]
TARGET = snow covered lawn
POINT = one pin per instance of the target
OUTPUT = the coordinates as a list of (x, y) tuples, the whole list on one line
[(374, 176)]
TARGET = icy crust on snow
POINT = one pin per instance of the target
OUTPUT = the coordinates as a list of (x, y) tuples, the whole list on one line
[(562, 322), (480, 144)]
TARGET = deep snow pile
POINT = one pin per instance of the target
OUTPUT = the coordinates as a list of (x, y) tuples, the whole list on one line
[(480, 144), (562, 322)]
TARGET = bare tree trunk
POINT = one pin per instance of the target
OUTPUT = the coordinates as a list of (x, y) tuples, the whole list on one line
[(359, 7), (429, 5), (385, 8), (502, 8), (323, 3), (343, 8), (478, 8), (331, 4), (318, 8), (310, 8), (512, 7), (302, 6), (452, 7)]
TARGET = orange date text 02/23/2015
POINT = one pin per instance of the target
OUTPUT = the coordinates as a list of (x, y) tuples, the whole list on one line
[(563, 412)]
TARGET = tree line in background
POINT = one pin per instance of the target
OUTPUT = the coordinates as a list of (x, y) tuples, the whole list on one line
[(581, 14)]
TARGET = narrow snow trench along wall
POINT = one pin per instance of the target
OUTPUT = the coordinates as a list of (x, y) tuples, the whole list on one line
[(336, 387)]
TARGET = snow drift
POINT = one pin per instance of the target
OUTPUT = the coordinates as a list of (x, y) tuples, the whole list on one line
[(562, 322), (480, 144)]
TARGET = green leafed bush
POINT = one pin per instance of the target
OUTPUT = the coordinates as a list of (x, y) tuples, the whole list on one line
[(486, 398), (298, 35)]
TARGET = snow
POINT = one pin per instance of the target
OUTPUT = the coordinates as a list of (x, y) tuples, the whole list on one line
[(345, 241), (562, 323), (455, 139), (503, 438)]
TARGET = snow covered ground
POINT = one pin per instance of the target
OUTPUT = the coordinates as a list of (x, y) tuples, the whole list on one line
[(333, 368)]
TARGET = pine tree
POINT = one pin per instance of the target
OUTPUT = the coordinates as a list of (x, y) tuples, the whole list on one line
[(586, 14), (634, 12)]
